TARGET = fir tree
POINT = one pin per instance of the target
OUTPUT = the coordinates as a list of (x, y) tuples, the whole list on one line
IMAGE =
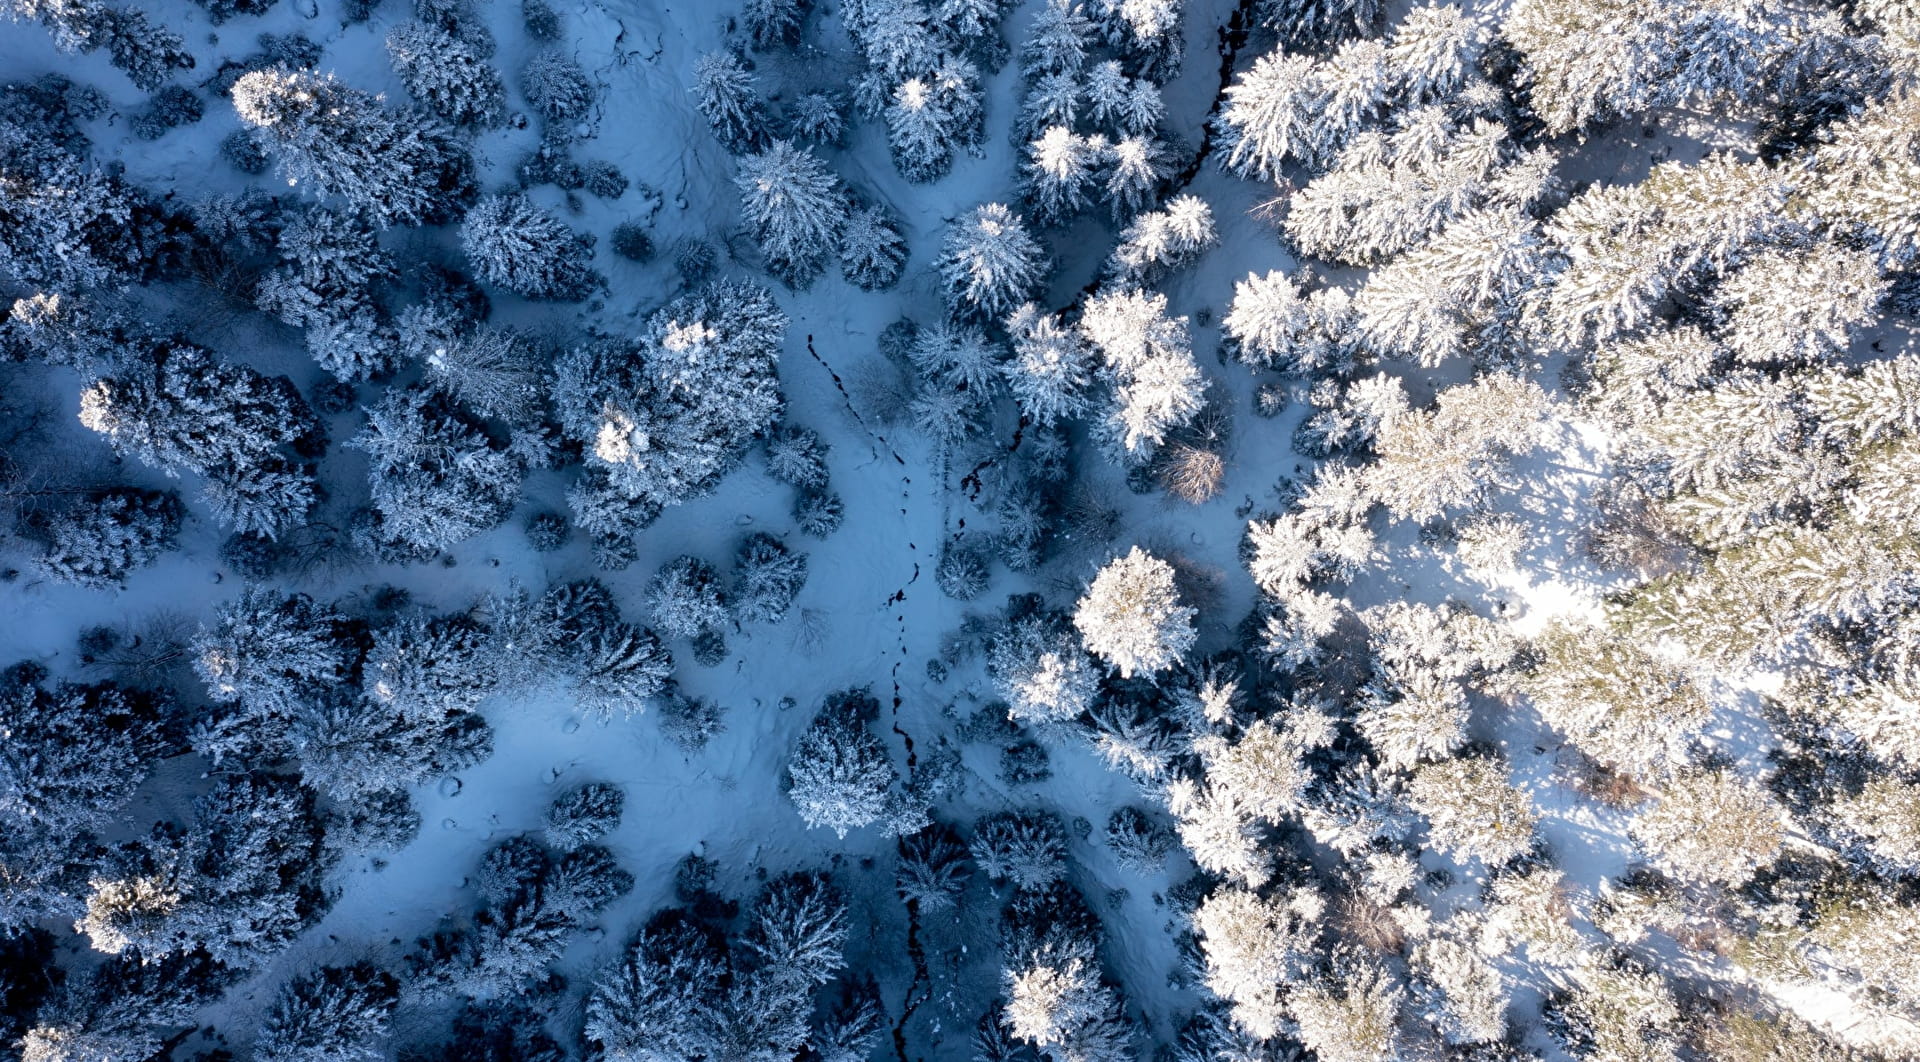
[(767, 577), (73, 754), (726, 96), (584, 813), (340, 142), (98, 542), (795, 206), (990, 264), (556, 86), (839, 775), (447, 75), (872, 251), (659, 1003), (1472, 811), (437, 479), (527, 250), (336, 1014)]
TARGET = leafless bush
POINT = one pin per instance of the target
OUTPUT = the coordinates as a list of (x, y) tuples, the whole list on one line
[(1192, 474), (1630, 534), (1085, 516), (1368, 924), (879, 391), (153, 651)]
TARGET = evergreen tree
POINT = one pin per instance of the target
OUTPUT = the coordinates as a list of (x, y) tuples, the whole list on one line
[(1027, 848), (726, 96), (1254, 947), (872, 251), (63, 225), (990, 264), (124, 1010), (686, 600), (663, 419), (584, 813), (1059, 172), (527, 250), (774, 22), (101, 540), (767, 577), (616, 668), (1057, 1002), (335, 1014), (340, 142), (73, 754), (556, 86), (1039, 667), (922, 129), (1710, 825), (795, 206), (1131, 615), (447, 75), (268, 653), (1472, 811), (660, 1002), (799, 926), (839, 775), (1052, 369), (437, 479)]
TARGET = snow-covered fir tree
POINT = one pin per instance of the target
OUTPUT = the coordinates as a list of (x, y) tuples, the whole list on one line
[(557, 87), (437, 479), (336, 141), (989, 263), (337, 1013), (839, 775), (527, 250), (726, 95), (872, 251), (795, 206), (447, 75), (767, 577), (104, 537)]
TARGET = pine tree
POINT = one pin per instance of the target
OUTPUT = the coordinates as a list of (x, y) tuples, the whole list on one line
[(1254, 947), (839, 775), (340, 142), (1712, 826), (1057, 41), (1027, 848), (617, 668), (767, 577), (1137, 164), (1060, 170), (686, 600), (872, 251), (933, 870), (1271, 116), (1432, 461), (774, 22), (494, 372), (990, 264), (1057, 1003), (1616, 701), (1310, 23), (1149, 359), (124, 1010), (447, 75), (1140, 843), (664, 418), (732, 106), (527, 250), (1458, 990), (428, 668), (335, 1014), (1797, 308), (795, 206), (799, 927), (922, 130), (1351, 1016), (269, 653), (1472, 811), (67, 227), (99, 541), (1131, 615)]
